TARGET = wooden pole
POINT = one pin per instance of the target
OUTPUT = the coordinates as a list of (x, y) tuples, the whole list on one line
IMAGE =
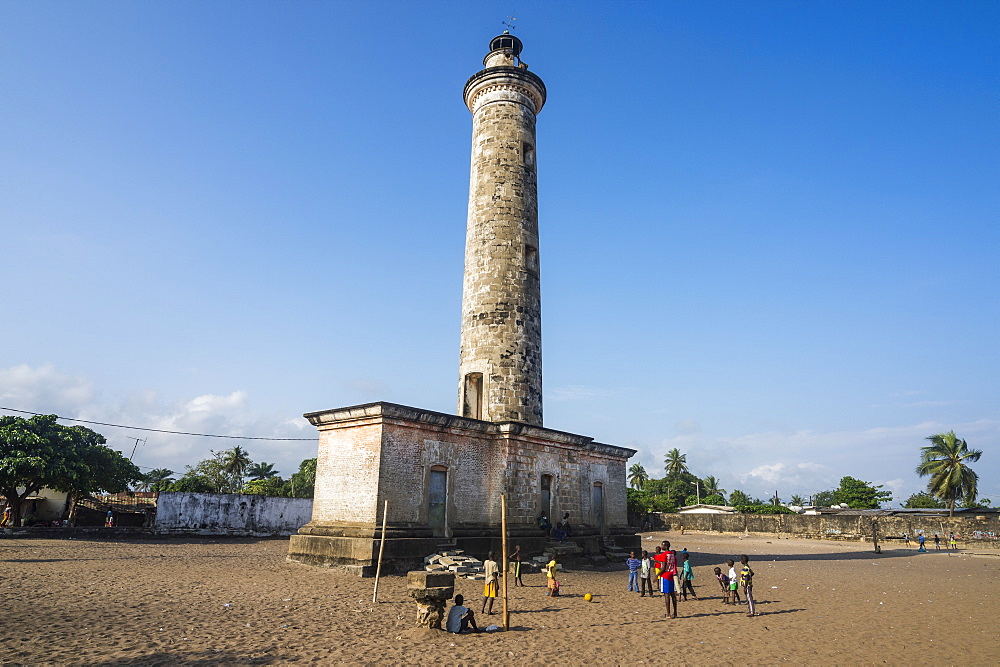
[(506, 574), (381, 550)]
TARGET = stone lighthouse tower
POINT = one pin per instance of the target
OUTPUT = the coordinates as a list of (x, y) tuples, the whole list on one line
[(500, 368)]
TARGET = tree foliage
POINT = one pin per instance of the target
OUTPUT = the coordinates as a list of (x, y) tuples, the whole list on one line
[(762, 508), (37, 453), (923, 500), (860, 495), (737, 498), (268, 486), (946, 461), (637, 476), (710, 486), (825, 498), (713, 499), (259, 471), (303, 483), (675, 462)]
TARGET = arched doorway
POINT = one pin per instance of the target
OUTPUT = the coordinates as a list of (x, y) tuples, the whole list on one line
[(437, 501), (546, 499), (597, 507)]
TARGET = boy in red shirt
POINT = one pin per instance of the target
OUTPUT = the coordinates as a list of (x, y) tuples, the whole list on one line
[(667, 561)]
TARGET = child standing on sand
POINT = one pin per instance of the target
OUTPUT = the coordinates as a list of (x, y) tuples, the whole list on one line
[(723, 580), (746, 580), (633, 564), (734, 593), (668, 570), (687, 576), (646, 575), (552, 586)]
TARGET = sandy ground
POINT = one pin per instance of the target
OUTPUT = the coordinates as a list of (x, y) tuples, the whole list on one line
[(238, 602)]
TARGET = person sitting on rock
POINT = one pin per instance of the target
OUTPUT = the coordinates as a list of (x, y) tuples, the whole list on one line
[(460, 617), (564, 525)]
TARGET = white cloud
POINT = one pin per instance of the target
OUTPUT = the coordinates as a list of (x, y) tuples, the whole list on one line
[(805, 461), (44, 390)]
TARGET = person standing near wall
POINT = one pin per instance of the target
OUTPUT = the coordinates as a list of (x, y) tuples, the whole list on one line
[(490, 588)]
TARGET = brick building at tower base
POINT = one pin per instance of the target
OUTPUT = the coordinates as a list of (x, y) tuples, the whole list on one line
[(443, 476)]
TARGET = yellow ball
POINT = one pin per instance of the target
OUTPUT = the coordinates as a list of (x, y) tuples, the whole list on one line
[(588, 597)]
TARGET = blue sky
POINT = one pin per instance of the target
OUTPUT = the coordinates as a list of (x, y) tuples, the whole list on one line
[(768, 230)]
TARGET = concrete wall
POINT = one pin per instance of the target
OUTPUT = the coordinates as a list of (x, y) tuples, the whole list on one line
[(840, 527), (230, 514)]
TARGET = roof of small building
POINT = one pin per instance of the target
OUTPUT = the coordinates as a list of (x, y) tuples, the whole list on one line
[(721, 509)]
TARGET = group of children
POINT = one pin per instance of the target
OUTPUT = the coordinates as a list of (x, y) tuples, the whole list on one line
[(662, 567)]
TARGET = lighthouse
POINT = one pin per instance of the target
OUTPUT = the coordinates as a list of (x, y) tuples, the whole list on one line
[(500, 364)]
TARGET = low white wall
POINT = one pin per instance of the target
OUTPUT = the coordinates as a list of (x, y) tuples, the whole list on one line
[(230, 514)]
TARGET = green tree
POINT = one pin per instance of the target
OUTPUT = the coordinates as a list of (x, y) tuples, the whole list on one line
[(269, 486), (796, 501), (825, 498), (675, 462), (923, 500), (193, 483), (259, 471), (637, 476), (158, 479), (713, 499), (737, 497), (235, 463), (37, 453), (710, 486), (303, 483), (860, 495), (946, 461)]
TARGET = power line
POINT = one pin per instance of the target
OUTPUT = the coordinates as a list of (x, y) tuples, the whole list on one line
[(159, 430)]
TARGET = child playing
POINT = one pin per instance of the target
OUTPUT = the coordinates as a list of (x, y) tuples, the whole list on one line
[(633, 564), (687, 576), (646, 575), (723, 580), (734, 594), (667, 561), (746, 580)]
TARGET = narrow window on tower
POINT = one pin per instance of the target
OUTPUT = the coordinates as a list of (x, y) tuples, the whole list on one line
[(531, 258), (472, 404), (528, 155)]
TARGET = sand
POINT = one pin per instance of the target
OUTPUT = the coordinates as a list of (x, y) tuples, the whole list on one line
[(222, 601)]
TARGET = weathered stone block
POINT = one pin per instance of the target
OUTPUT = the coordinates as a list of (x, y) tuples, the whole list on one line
[(425, 580)]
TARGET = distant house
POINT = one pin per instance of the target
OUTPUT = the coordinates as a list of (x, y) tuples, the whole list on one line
[(707, 509), (45, 505)]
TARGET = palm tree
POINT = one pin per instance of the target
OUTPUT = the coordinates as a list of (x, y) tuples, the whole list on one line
[(637, 476), (235, 462), (710, 486), (157, 479), (261, 471), (945, 461), (797, 501), (675, 462)]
